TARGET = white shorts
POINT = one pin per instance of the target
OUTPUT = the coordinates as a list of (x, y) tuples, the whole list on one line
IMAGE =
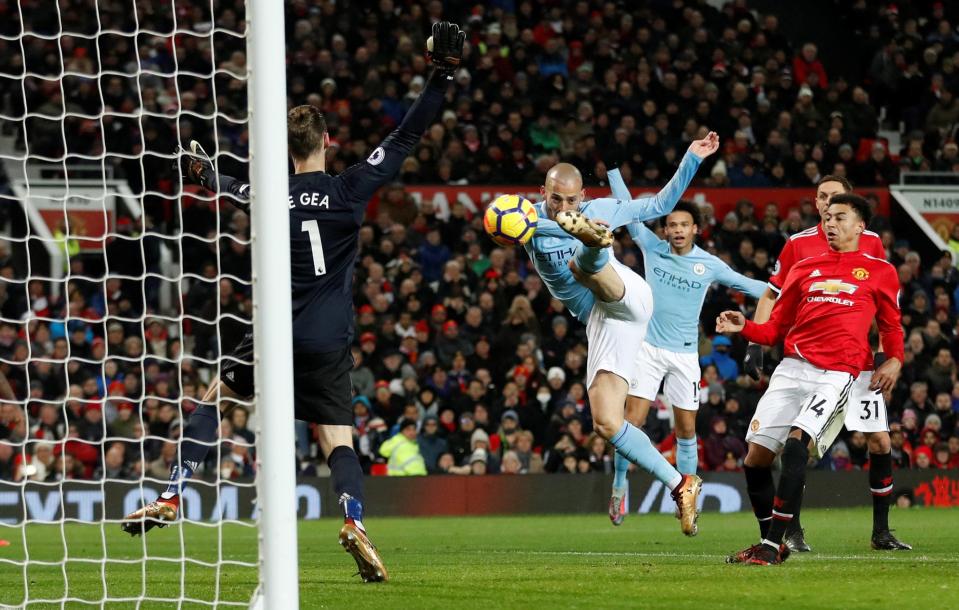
[(804, 396), (867, 408), (680, 371), (615, 331)]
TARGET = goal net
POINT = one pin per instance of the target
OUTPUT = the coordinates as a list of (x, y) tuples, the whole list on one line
[(122, 291)]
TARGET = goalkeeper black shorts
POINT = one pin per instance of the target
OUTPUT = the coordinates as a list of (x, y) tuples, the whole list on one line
[(322, 390)]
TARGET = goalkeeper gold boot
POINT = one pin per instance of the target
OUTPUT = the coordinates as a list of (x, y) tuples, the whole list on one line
[(155, 514), (591, 233), (685, 497), (355, 541)]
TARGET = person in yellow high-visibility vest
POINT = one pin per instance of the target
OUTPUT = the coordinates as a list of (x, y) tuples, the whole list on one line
[(69, 245), (403, 452)]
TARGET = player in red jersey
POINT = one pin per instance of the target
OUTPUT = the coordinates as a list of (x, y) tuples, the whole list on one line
[(866, 409), (823, 316)]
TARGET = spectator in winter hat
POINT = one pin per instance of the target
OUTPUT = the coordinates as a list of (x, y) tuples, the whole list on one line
[(922, 458), (728, 368), (449, 343), (479, 462), (481, 440), (431, 442), (508, 429), (910, 426), (385, 404)]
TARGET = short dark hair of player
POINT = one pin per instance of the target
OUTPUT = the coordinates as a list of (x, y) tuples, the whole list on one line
[(846, 185), (305, 128), (684, 206), (855, 202)]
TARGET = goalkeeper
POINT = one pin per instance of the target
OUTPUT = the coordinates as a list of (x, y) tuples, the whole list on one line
[(325, 214)]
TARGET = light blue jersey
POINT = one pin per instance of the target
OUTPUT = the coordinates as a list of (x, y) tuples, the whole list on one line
[(551, 248), (679, 283)]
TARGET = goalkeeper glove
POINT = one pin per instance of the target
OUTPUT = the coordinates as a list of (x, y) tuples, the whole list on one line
[(753, 363), (445, 47), (195, 166)]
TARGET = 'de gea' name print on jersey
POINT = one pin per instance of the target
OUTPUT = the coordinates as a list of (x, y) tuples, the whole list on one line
[(311, 199)]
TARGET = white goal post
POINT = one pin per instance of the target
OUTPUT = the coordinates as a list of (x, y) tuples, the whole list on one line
[(273, 316), (94, 96)]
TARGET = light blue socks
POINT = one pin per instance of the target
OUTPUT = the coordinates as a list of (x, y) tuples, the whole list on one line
[(687, 457), (591, 260), (622, 467), (637, 448)]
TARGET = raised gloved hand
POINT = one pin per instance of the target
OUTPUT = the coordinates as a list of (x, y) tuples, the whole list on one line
[(445, 47), (195, 166)]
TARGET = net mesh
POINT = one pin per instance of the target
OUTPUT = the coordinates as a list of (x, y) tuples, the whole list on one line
[(122, 290)]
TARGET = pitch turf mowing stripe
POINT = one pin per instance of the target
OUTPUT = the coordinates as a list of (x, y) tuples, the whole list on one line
[(903, 556)]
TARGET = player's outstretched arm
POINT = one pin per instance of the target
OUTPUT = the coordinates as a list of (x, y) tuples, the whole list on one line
[(196, 167), (727, 277), (363, 179), (637, 230), (622, 212), (617, 186), (784, 314)]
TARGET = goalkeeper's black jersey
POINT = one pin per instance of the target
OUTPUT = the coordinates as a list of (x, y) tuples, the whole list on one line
[(325, 216)]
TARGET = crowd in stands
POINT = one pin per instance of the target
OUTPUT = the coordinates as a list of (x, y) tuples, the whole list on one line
[(459, 348)]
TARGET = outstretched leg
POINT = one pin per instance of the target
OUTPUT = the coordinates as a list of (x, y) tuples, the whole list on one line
[(605, 284), (198, 437), (590, 263)]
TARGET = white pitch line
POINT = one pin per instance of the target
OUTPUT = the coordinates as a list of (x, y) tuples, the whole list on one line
[(901, 557)]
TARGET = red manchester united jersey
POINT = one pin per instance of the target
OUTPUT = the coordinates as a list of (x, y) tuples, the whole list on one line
[(812, 242), (827, 307)]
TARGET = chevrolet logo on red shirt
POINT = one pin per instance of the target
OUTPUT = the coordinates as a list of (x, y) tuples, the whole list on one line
[(832, 287)]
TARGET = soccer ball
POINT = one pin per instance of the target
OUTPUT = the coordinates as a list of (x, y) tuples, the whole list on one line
[(510, 220)]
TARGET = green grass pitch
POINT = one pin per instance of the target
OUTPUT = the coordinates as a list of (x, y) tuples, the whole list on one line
[(513, 562)]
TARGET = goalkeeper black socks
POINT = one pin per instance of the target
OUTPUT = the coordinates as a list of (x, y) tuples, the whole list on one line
[(347, 476), (202, 427), (759, 485), (794, 458), (880, 484)]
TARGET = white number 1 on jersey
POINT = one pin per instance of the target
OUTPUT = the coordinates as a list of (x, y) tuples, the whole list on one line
[(313, 228)]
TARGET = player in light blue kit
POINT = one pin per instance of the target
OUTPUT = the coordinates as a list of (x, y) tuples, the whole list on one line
[(614, 302), (679, 273)]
